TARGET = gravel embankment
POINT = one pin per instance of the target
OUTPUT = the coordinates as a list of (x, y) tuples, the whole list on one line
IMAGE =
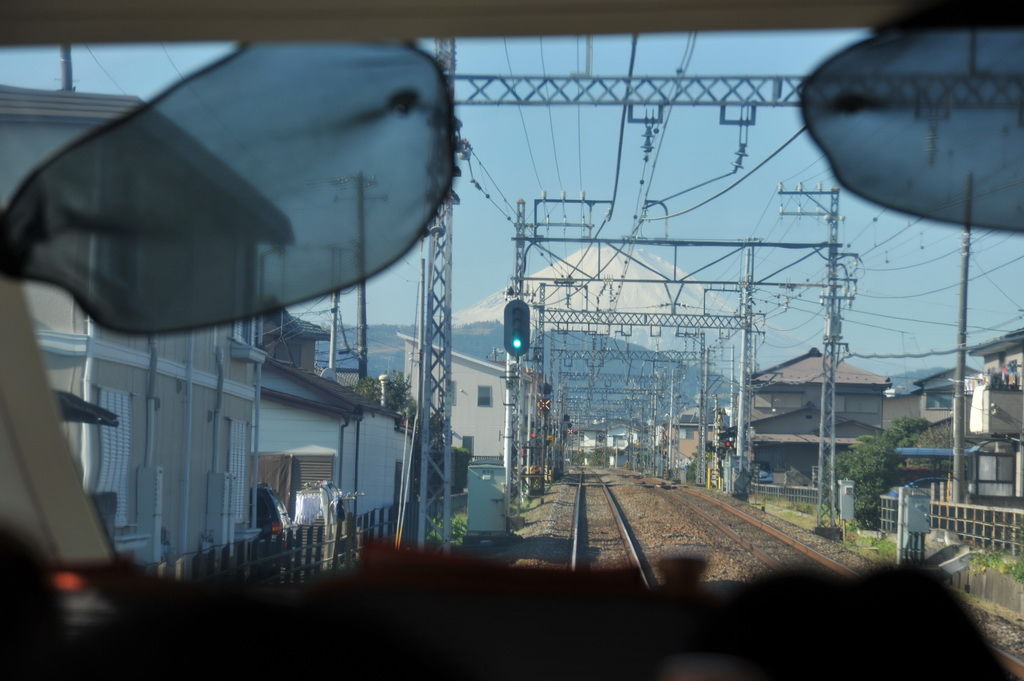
[(664, 532)]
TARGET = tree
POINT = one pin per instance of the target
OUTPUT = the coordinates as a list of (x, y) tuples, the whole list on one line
[(398, 395), (939, 436), (871, 463)]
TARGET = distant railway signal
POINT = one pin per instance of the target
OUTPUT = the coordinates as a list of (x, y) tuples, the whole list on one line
[(517, 328)]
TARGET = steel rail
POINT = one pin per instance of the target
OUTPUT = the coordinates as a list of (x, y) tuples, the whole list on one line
[(576, 524), (769, 561), (802, 548), (627, 538), (1011, 663)]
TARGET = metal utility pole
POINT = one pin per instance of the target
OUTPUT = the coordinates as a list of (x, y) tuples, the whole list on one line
[(831, 299), (959, 411), (436, 368)]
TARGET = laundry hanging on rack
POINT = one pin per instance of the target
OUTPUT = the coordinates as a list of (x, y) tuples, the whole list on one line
[(308, 506)]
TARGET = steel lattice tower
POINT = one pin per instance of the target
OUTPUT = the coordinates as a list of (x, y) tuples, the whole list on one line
[(436, 363)]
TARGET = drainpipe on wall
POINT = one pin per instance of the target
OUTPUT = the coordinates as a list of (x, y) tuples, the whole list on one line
[(219, 355), (215, 516), (255, 451), (186, 476), (150, 405), (340, 460), (89, 467), (355, 481)]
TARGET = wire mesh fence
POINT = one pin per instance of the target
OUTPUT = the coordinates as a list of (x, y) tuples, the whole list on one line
[(795, 495)]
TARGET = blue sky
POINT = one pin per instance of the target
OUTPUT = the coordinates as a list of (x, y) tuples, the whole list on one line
[(906, 295)]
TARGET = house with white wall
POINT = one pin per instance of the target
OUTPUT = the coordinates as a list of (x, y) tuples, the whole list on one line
[(173, 475), (334, 434), (478, 395)]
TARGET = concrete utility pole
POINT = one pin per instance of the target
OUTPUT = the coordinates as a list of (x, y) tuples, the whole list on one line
[(746, 333), (702, 407), (332, 352), (959, 411), (732, 385), (361, 351), (671, 418), (511, 369), (66, 80)]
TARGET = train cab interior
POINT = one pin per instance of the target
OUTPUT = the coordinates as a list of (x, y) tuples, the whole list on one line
[(69, 596)]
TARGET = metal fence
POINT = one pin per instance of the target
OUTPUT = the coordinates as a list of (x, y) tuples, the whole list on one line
[(888, 513), (987, 527), (378, 523), (796, 495), (296, 555)]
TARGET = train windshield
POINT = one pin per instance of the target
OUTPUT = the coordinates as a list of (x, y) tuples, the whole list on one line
[(712, 324)]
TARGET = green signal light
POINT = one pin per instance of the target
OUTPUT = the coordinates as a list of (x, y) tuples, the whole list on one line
[(517, 343)]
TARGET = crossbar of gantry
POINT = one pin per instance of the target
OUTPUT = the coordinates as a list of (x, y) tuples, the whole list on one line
[(674, 90), (974, 90), (672, 356), (622, 379), (605, 318), (622, 248), (915, 91)]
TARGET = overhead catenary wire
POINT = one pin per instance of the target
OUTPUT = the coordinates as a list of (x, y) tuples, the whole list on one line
[(734, 184), (103, 69), (522, 119), (943, 288), (551, 124)]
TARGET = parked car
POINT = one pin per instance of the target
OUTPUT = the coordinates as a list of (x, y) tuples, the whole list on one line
[(764, 472), (271, 515)]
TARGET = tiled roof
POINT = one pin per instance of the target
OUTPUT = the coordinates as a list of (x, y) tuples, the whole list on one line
[(945, 373), (807, 369), (1008, 341), (300, 328)]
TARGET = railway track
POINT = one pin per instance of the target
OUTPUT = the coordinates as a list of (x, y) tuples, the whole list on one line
[(601, 531), (773, 548), (596, 524), (734, 523)]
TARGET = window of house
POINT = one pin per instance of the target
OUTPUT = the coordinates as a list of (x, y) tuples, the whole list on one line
[(778, 401), (467, 443), (236, 469), (116, 451), (994, 474), (938, 401), (858, 404), (483, 396), (244, 330)]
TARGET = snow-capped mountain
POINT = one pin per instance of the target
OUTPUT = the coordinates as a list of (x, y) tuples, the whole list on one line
[(609, 292)]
